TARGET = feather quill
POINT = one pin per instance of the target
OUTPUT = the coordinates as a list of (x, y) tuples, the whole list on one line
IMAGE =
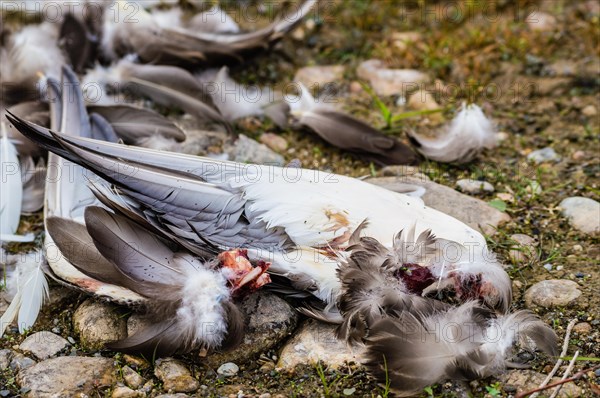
[(469, 133)]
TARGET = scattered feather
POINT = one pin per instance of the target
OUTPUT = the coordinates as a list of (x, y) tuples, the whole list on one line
[(347, 132), (29, 288), (469, 133)]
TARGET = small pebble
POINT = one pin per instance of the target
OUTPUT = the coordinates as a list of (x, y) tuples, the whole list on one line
[(543, 155), (577, 248), (548, 266), (541, 21), (125, 392), (579, 275), (228, 369), (509, 388), (355, 87), (582, 328), (597, 372), (578, 155), (505, 196), (131, 377), (524, 249), (274, 141), (43, 344), (525, 356), (552, 293), (583, 213), (474, 186), (175, 375), (590, 111)]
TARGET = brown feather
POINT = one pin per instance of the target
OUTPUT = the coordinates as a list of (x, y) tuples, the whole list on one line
[(74, 242)]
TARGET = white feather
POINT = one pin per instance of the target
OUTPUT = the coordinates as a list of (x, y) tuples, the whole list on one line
[(467, 135), (201, 312), (32, 51), (31, 292), (11, 193)]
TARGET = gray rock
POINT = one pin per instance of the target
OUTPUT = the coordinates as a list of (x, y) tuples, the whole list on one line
[(175, 376), (44, 344), (131, 377), (472, 211), (126, 392), (525, 380), (543, 155), (20, 362), (319, 75), (552, 293), (474, 186), (247, 150), (98, 323), (583, 213), (314, 342), (67, 376), (524, 248), (228, 369), (269, 320), (386, 81), (6, 356)]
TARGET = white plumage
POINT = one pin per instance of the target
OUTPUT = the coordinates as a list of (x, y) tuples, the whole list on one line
[(468, 134), (28, 287)]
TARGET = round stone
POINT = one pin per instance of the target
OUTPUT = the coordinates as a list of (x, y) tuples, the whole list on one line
[(552, 293)]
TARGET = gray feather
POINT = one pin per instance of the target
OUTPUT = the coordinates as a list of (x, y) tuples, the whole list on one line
[(348, 133), (133, 124), (172, 86)]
